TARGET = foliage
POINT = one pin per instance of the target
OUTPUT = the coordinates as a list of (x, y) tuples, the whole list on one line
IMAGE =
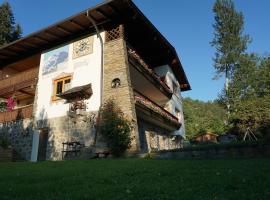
[(203, 116), (229, 40), (142, 179), (3, 106), (115, 128), (4, 142), (219, 146), (230, 44), (262, 84), (9, 30), (250, 95), (247, 92), (8, 105), (253, 113)]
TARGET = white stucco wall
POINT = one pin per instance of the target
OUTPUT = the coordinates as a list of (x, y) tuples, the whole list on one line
[(84, 70), (176, 100)]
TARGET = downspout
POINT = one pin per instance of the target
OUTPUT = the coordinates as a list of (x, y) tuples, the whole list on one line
[(101, 45), (101, 62)]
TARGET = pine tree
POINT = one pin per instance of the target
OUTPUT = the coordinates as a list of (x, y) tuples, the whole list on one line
[(9, 30), (229, 41)]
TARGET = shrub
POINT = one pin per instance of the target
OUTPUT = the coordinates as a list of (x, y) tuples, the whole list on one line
[(114, 127), (4, 143)]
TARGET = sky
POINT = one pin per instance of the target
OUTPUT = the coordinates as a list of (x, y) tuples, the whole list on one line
[(187, 24)]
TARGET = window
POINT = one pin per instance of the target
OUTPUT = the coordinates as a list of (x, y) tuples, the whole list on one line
[(175, 88), (178, 114), (60, 86)]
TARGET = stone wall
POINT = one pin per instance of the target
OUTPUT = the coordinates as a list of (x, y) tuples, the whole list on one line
[(153, 138), (63, 129), (248, 151), (116, 67), (20, 134)]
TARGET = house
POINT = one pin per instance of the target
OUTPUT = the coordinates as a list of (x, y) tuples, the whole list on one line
[(205, 137), (227, 138), (62, 74)]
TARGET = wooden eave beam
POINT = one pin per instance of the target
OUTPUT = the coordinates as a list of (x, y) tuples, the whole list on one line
[(28, 93), (51, 34), (41, 39), (94, 18), (30, 44), (114, 8), (19, 47), (102, 13), (8, 52), (78, 25), (64, 30)]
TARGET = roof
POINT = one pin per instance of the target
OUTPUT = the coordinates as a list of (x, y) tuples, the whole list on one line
[(205, 133), (139, 30)]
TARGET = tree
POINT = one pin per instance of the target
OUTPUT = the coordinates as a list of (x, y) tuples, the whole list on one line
[(263, 78), (253, 113), (203, 117), (229, 41), (243, 81), (9, 30)]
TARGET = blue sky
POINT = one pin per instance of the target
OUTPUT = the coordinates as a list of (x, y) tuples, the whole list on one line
[(187, 24)]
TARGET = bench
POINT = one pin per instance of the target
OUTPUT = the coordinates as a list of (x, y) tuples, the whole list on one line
[(71, 149), (102, 152)]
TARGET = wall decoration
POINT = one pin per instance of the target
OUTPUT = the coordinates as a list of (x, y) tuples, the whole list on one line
[(83, 47), (55, 59)]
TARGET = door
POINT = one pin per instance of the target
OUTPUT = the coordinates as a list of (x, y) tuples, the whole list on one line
[(142, 138), (42, 147)]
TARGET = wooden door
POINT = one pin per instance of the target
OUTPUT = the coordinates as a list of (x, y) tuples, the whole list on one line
[(42, 147)]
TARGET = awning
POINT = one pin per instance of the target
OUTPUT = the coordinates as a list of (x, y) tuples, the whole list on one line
[(80, 92)]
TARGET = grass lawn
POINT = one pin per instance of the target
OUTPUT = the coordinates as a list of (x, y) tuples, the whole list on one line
[(137, 179)]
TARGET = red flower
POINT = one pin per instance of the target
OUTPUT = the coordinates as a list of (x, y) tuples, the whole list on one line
[(11, 103)]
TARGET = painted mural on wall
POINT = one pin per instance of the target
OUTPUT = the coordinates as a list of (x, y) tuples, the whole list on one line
[(83, 47), (55, 60)]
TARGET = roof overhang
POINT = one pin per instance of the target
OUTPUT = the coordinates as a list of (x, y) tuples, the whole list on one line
[(139, 31)]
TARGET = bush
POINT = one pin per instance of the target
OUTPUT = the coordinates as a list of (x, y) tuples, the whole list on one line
[(4, 143), (115, 128)]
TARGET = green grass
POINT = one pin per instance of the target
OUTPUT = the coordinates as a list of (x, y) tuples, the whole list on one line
[(137, 179)]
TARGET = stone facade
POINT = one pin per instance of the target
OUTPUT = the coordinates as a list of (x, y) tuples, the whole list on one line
[(20, 134), (154, 138), (79, 128), (116, 67)]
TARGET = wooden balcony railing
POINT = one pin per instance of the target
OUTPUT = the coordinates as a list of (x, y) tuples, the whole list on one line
[(19, 81), (163, 118), (21, 113)]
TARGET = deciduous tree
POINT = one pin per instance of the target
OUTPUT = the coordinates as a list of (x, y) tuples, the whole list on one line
[(229, 41)]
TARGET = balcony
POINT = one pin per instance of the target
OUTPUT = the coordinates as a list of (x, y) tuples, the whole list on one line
[(146, 81), (18, 114), (23, 83), (151, 112)]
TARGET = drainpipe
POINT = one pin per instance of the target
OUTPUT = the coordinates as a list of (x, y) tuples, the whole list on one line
[(102, 71), (101, 45)]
